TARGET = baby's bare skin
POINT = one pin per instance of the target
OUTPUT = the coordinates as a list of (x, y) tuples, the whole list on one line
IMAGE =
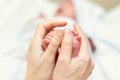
[(76, 41)]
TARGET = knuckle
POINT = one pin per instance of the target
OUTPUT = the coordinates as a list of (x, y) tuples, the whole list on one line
[(41, 25), (62, 61), (49, 23)]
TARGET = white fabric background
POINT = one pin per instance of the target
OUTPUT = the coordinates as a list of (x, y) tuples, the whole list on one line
[(14, 14)]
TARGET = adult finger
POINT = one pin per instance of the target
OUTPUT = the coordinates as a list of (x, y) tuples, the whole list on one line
[(44, 28), (66, 47), (84, 48), (53, 46)]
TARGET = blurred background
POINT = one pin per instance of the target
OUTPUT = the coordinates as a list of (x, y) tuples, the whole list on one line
[(108, 4), (100, 19)]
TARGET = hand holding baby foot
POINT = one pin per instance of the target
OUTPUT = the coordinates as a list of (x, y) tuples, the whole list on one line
[(41, 63), (73, 68), (75, 41)]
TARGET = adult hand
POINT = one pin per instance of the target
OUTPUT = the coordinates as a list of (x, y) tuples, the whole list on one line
[(76, 68), (41, 63)]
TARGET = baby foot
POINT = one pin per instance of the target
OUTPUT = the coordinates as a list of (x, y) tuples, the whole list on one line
[(47, 39), (75, 46)]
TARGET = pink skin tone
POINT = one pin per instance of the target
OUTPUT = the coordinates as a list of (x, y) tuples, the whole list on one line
[(76, 42), (66, 9)]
